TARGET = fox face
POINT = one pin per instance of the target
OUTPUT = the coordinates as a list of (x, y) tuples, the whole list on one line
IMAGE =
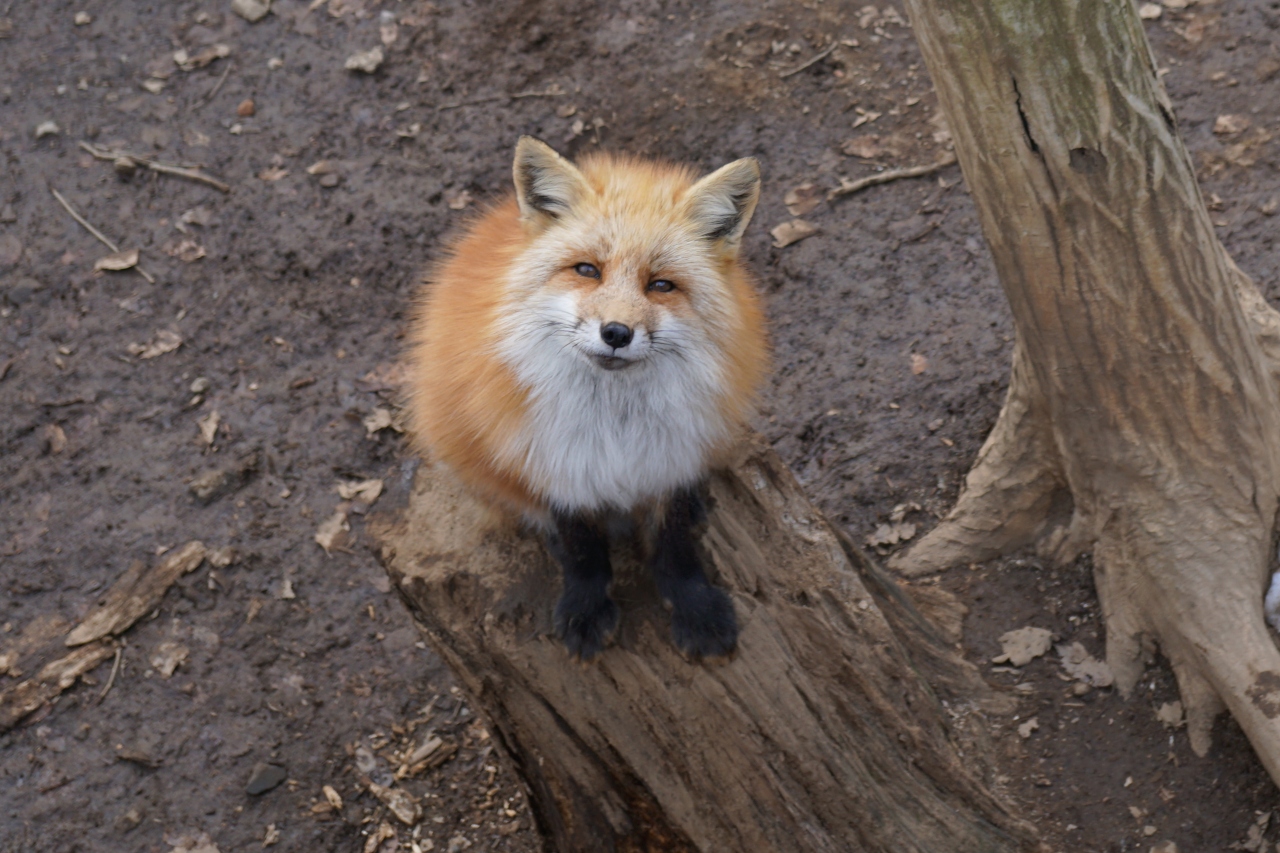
[(629, 322)]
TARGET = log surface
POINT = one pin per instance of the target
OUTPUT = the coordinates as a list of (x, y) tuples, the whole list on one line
[(821, 734)]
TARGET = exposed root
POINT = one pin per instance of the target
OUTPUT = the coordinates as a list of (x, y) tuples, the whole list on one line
[(1009, 496)]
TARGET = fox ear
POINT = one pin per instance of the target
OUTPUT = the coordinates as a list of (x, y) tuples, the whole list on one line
[(720, 205), (547, 185)]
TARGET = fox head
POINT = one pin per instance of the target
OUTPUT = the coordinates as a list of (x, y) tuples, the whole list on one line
[(630, 263)]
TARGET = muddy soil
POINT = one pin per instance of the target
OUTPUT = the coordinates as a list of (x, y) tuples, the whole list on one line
[(290, 295)]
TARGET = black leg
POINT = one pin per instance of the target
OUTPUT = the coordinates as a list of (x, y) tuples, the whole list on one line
[(702, 620), (585, 617)]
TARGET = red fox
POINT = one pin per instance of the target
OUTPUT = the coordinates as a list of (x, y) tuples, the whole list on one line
[(588, 349)]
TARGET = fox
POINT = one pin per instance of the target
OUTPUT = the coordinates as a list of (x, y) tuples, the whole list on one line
[(586, 353)]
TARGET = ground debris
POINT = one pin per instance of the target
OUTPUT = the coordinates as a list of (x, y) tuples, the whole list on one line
[(1084, 667), (1023, 645), (53, 678), (117, 261), (1170, 715), (365, 491), (201, 843), (165, 341), (366, 61), (136, 593), (792, 232), (332, 533), (271, 836), (251, 10), (209, 427), (185, 250), (264, 777), (400, 802), (1025, 729), (802, 199), (190, 62), (384, 832)]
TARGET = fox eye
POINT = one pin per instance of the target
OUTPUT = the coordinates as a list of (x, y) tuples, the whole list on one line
[(587, 270), (661, 285)]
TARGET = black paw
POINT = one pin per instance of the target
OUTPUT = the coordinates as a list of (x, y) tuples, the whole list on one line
[(702, 622), (586, 626)]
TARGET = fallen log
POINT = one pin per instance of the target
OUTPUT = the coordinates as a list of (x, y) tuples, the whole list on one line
[(844, 722)]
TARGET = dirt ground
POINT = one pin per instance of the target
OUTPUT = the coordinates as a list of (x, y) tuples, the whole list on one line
[(290, 294)]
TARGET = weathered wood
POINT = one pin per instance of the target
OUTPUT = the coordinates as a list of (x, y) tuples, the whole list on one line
[(843, 723), (1143, 418)]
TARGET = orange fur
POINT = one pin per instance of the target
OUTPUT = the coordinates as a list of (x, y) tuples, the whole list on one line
[(467, 404)]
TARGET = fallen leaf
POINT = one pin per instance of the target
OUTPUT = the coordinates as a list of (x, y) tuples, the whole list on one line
[(1023, 645), (201, 843), (284, 590), (1025, 730), (271, 837), (1150, 11), (888, 535), (802, 199), (384, 832), (202, 57), (400, 802), (333, 531), (792, 232), (1170, 715), (365, 491), (865, 117), (1228, 124), (273, 173), (168, 656), (165, 341), (200, 215), (47, 128), (330, 794), (867, 147), (54, 439), (209, 427), (366, 61), (116, 261), (186, 250), (1084, 667), (457, 199), (378, 420), (919, 364)]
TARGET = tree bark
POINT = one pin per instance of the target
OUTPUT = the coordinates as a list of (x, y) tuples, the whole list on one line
[(843, 722), (1143, 419)]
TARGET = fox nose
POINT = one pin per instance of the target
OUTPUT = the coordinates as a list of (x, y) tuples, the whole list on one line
[(615, 335)]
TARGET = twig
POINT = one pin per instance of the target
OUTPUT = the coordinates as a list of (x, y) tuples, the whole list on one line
[(821, 55), (96, 233), (111, 679), (157, 166), (222, 78), (848, 187), (553, 92)]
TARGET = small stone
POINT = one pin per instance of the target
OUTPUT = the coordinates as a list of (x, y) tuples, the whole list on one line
[(330, 180), (264, 777), (199, 385), (246, 108), (82, 18), (47, 128), (251, 10)]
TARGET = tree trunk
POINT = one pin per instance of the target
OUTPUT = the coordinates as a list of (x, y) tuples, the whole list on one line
[(843, 722), (1143, 419)]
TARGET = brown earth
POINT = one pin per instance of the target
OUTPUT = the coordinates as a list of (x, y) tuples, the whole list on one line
[(892, 340)]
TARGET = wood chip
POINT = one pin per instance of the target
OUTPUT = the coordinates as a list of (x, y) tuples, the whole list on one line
[(136, 593), (332, 532), (1024, 645), (792, 232), (26, 696), (117, 261), (165, 341), (400, 802)]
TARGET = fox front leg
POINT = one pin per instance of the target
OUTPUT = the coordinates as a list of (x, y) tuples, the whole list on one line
[(586, 618), (702, 620)]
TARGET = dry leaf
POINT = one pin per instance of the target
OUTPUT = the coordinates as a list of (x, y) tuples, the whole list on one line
[(867, 147), (168, 656), (792, 232), (186, 251), (457, 199), (333, 531), (802, 199), (209, 426), (202, 57), (54, 439), (1150, 11), (192, 844), (1228, 124), (334, 798), (366, 61), (379, 420), (888, 535), (197, 216), (273, 173), (919, 364), (365, 491), (384, 832), (271, 837), (1083, 666), (116, 261), (1023, 645), (1170, 714), (251, 10), (400, 802), (164, 341), (1025, 730)]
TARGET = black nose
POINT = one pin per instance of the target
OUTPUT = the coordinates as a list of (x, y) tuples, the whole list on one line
[(615, 335)]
